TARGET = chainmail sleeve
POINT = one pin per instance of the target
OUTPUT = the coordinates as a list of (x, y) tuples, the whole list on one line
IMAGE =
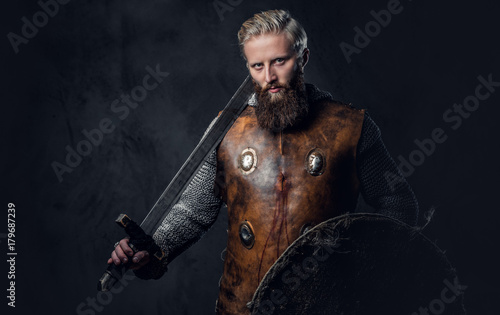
[(194, 213), (382, 184)]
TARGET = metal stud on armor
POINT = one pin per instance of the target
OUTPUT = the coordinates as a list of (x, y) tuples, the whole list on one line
[(315, 162), (246, 234), (247, 161)]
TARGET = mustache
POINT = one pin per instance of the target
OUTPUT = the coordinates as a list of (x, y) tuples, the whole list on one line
[(274, 86)]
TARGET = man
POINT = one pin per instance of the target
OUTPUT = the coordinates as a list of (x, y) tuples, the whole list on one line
[(293, 159)]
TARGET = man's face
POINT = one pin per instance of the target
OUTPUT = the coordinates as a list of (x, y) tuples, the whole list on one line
[(278, 79), (272, 61)]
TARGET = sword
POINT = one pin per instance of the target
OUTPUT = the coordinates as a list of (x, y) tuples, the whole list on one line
[(178, 184)]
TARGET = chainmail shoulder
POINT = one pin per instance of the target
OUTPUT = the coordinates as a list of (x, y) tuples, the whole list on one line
[(194, 213), (382, 184)]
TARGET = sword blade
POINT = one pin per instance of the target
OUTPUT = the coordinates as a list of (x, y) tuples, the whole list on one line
[(208, 143)]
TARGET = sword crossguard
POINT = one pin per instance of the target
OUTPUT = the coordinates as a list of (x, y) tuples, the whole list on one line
[(123, 220)]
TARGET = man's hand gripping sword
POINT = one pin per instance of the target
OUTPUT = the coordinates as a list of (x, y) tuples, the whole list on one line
[(139, 240)]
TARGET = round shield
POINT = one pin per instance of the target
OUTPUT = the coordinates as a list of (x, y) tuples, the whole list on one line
[(359, 264)]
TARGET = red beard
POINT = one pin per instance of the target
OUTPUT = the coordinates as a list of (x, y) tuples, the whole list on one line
[(284, 109)]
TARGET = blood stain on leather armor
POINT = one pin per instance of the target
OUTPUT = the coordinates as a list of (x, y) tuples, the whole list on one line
[(280, 220), (315, 162), (247, 161), (247, 235)]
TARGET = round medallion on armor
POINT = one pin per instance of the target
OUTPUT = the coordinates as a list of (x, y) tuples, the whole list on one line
[(315, 162), (247, 236), (247, 161)]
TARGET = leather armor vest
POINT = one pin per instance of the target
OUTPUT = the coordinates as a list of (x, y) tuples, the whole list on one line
[(277, 186)]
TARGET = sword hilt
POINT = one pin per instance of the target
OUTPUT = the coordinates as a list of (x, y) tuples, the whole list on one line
[(139, 240)]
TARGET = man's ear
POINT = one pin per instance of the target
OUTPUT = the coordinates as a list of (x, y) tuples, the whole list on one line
[(305, 57)]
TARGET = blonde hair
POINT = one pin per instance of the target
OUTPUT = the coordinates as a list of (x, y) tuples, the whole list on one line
[(277, 22)]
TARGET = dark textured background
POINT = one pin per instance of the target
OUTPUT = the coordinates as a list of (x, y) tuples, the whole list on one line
[(65, 79)]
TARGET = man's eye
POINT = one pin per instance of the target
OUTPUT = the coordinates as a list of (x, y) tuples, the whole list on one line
[(280, 60), (257, 66)]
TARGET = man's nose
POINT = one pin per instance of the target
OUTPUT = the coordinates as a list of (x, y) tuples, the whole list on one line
[(270, 75)]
